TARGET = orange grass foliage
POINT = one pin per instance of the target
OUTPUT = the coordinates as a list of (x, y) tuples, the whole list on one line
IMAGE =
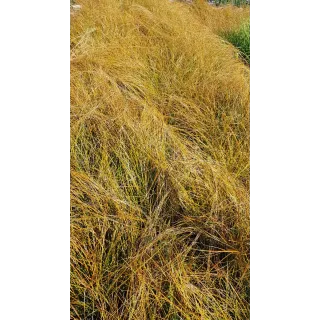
[(159, 163)]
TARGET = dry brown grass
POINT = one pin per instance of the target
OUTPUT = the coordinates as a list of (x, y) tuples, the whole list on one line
[(159, 163)]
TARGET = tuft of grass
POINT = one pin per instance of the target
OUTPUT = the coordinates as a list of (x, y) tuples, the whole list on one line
[(159, 163), (240, 38)]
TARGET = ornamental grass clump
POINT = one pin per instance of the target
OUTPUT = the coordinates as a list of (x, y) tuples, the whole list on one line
[(159, 164)]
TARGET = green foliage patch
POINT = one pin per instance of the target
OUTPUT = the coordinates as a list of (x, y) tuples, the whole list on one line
[(241, 40)]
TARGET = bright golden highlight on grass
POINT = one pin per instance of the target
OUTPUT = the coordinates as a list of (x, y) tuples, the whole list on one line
[(159, 162)]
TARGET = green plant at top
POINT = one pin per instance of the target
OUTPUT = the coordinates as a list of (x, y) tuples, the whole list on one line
[(241, 40)]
